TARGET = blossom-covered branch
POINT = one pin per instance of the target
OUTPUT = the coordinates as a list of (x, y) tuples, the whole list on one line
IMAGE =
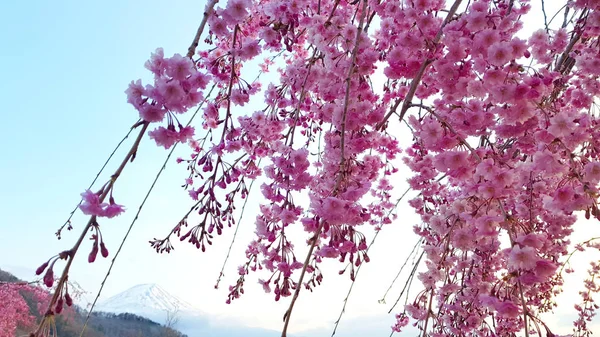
[(504, 152)]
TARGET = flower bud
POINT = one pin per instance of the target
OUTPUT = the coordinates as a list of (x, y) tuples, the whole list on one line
[(59, 306), (93, 253), (41, 268), (103, 250), (68, 299), (49, 278)]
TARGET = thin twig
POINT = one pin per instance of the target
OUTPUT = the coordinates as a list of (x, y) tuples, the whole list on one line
[(565, 55), (566, 8), (93, 182), (237, 227), (348, 80), (545, 16), (73, 251), (566, 16), (382, 300), (525, 310), (408, 282), (511, 3), (209, 9), (429, 312), (160, 171), (288, 314), (337, 322), (417, 79)]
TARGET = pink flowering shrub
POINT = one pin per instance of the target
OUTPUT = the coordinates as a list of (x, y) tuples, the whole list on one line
[(14, 310), (504, 151)]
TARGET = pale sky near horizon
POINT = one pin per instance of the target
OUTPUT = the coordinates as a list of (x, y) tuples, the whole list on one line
[(66, 65)]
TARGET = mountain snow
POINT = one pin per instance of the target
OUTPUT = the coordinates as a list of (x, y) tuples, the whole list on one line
[(146, 300), (155, 303)]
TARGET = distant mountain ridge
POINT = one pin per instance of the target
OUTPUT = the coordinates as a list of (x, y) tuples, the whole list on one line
[(145, 298)]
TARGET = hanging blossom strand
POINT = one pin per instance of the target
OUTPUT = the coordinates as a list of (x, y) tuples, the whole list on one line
[(177, 87), (471, 75)]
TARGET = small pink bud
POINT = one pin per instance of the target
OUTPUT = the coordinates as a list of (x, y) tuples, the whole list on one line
[(103, 249), (49, 278), (93, 253), (59, 306), (41, 268), (68, 299)]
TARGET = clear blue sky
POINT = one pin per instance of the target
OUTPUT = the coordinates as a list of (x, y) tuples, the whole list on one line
[(65, 65)]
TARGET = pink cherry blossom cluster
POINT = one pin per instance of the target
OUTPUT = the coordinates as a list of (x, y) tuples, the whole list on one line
[(91, 205), (325, 132), (530, 172), (177, 87), (311, 92)]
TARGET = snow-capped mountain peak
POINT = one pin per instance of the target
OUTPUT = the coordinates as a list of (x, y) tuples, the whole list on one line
[(143, 298), (155, 303)]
